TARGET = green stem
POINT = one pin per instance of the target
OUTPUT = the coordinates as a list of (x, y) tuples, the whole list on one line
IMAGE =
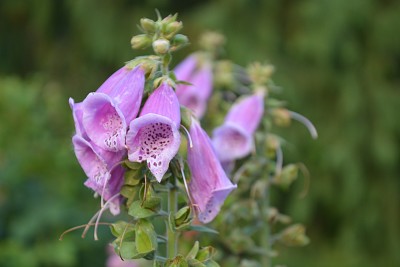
[(266, 231), (172, 245)]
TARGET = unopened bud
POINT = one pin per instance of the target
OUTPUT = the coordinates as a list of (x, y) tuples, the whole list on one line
[(287, 176), (161, 46), (173, 28), (179, 41), (281, 117), (294, 235), (140, 41), (148, 25)]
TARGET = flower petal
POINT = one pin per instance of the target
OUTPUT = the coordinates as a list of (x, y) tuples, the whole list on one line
[(231, 142), (104, 122), (108, 86), (185, 68), (163, 101), (77, 114), (247, 112), (153, 138), (128, 91), (209, 185)]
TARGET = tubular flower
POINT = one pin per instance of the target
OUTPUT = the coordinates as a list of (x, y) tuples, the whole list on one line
[(209, 185), (107, 112), (234, 138), (154, 136), (199, 74), (98, 164)]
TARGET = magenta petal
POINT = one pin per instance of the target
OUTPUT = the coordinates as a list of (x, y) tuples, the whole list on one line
[(155, 139), (185, 68), (195, 96), (209, 185), (232, 142), (247, 112), (97, 164), (77, 114), (163, 101), (104, 122), (128, 91), (108, 86)]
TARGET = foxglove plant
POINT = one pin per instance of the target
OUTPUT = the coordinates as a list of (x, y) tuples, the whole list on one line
[(128, 142)]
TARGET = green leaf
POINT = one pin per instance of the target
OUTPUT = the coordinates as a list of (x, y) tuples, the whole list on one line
[(133, 165), (205, 253), (146, 237), (195, 263), (130, 193), (178, 261), (211, 263), (133, 177), (182, 215), (128, 251), (123, 228), (203, 229), (137, 211), (193, 252), (152, 203)]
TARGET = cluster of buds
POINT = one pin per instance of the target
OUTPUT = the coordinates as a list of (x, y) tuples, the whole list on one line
[(162, 35)]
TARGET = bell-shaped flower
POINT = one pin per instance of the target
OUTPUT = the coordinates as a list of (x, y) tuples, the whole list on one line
[(107, 112), (197, 71), (234, 138), (209, 185), (154, 136), (105, 175)]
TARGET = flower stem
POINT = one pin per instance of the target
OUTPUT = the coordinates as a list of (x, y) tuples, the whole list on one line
[(172, 245), (266, 231)]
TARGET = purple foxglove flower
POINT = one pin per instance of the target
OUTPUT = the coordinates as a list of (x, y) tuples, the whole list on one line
[(77, 115), (104, 174), (154, 136), (199, 74), (234, 138), (209, 185), (107, 112)]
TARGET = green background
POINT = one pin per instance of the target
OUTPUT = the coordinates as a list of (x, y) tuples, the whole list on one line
[(338, 63)]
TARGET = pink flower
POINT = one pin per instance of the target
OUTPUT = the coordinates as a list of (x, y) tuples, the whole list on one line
[(199, 74), (209, 185), (154, 136), (234, 138)]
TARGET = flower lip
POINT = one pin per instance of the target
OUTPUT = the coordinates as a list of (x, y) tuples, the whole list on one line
[(153, 138), (104, 122), (232, 142)]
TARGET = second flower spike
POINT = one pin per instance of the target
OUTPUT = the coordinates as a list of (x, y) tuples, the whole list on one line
[(154, 136)]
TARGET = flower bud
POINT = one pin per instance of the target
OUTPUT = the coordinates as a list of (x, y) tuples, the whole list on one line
[(161, 46), (140, 41), (281, 117), (294, 235), (179, 41), (172, 28), (287, 176), (148, 25)]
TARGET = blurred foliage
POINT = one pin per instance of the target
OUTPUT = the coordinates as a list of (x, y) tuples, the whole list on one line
[(337, 61)]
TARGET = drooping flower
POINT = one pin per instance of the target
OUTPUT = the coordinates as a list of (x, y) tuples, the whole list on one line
[(209, 185), (198, 72), (105, 175), (107, 112), (154, 136), (234, 138)]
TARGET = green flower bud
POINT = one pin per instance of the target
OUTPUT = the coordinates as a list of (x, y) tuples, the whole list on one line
[(140, 41), (148, 25), (179, 41), (281, 117), (287, 176), (172, 28), (161, 46), (294, 235)]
